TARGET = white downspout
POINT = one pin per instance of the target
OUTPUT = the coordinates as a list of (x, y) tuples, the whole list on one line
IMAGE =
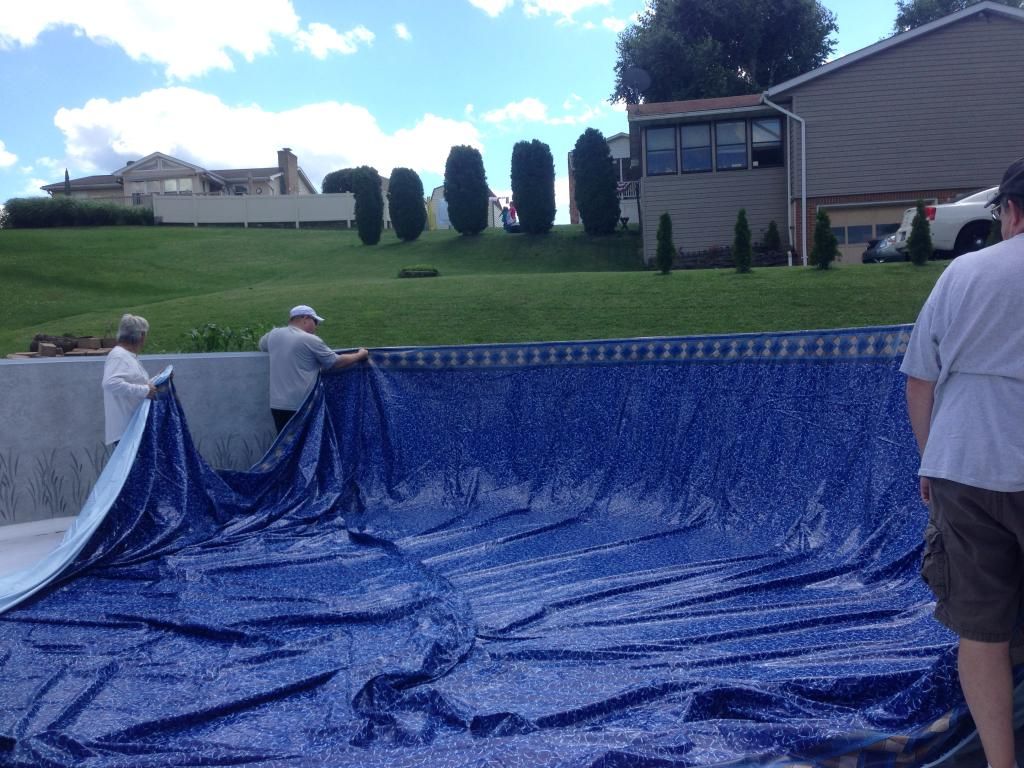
[(803, 174)]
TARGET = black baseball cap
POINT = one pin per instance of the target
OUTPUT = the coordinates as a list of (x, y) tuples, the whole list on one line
[(1012, 183)]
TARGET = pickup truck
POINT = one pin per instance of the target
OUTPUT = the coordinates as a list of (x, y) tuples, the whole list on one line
[(956, 227)]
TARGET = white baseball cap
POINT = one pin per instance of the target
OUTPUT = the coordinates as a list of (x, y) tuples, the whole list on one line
[(304, 310)]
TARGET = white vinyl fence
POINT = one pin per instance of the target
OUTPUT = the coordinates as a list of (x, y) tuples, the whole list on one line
[(294, 210)]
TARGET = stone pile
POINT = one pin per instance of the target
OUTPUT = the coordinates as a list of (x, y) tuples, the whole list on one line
[(44, 345)]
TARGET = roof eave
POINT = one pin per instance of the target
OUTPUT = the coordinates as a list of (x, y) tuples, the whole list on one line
[(697, 114)]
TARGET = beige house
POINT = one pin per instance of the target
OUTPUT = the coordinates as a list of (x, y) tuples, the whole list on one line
[(160, 174)]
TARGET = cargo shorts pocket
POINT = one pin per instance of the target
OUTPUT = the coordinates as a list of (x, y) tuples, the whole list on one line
[(935, 567)]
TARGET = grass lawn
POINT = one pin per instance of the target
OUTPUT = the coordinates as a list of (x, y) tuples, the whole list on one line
[(494, 287)]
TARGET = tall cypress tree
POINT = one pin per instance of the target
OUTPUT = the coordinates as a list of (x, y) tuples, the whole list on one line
[(533, 186), (369, 204), (596, 195), (405, 202), (465, 189)]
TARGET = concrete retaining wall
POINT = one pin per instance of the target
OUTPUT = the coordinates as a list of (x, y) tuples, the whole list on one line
[(51, 424)]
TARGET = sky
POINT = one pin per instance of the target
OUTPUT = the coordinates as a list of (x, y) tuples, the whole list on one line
[(88, 86)]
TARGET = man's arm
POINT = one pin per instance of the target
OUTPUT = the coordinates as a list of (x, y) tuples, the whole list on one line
[(351, 358), (920, 400)]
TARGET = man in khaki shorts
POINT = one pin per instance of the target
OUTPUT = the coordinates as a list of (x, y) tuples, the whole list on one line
[(965, 398)]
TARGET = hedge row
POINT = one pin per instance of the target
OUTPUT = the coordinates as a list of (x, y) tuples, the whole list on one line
[(36, 212)]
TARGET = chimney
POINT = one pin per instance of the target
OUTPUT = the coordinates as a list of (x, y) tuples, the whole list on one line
[(289, 167)]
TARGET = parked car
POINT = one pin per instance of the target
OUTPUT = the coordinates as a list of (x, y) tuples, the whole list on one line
[(883, 249), (956, 227)]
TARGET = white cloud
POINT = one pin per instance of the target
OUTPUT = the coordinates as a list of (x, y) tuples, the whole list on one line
[(564, 8), (528, 110), (32, 187), (615, 25), (531, 110), (6, 158), (187, 37), (322, 39), (491, 7), (102, 135), (403, 31)]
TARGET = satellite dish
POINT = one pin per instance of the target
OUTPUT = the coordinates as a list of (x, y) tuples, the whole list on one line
[(636, 78)]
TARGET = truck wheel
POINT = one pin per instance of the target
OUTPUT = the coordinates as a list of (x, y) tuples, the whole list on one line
[(971, 238)]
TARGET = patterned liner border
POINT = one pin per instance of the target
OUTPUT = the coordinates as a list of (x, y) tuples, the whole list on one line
[(875, 343)]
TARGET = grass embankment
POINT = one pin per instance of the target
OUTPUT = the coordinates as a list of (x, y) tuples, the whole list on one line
[(495, 287)]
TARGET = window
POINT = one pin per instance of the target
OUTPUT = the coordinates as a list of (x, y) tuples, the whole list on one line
[(881, 230), (621, 167), (731, 145), (170, 185), (661, 151), (766, 142), (696, 141), (185, 185), (858, 234), (840, 233)]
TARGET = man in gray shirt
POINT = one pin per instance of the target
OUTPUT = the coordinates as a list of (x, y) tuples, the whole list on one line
[(965, 398), (297, 355)]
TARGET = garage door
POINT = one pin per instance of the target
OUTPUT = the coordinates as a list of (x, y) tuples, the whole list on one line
[(854, 226)]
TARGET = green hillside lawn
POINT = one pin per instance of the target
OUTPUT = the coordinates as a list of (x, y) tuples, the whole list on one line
[(494, 287)]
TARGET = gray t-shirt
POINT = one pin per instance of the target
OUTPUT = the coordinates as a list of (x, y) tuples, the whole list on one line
[(969, 340), (295, 359)]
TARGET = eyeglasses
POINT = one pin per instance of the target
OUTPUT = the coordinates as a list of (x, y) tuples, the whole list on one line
[(997, 211)]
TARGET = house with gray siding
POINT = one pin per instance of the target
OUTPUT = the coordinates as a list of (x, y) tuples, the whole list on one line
[(928, 114)]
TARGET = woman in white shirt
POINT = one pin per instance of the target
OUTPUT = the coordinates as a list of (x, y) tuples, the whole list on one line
[(125, 382)]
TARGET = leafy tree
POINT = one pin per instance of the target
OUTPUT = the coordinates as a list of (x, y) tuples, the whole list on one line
[(405, 201), (772, 238), (338, 181), (533, 186), (369, 204), (666, 248), (691, 49), (826, 247), (741, 249), (914, 13), (465, 189), (919, 244), (596, 196)]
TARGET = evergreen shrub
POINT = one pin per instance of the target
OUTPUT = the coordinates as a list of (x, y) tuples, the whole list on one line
[(919, 243), (826, 247), (666, 250), (597, 198), (741, 247), (405, 202), (465, 190), (533, 186)]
